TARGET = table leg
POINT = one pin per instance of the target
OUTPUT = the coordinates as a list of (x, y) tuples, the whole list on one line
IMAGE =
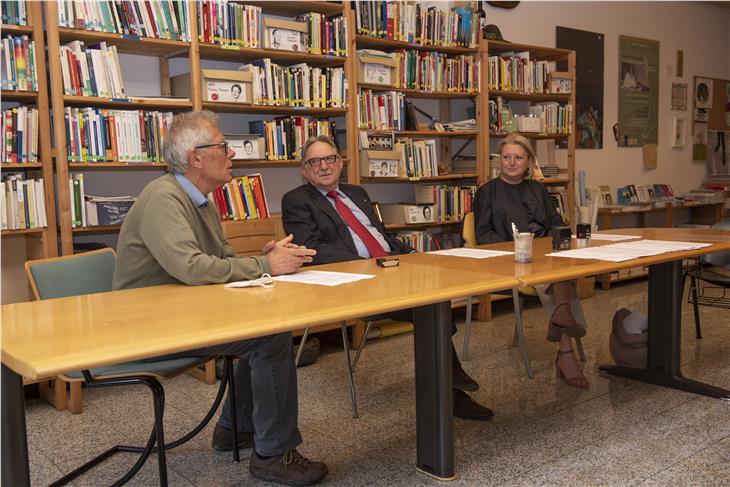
[(663, 364), (15, 466), (434, 395)]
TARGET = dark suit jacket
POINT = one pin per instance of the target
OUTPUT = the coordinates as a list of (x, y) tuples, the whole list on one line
[(314, 222)]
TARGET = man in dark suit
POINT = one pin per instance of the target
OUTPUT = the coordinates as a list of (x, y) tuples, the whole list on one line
[(338, 221)]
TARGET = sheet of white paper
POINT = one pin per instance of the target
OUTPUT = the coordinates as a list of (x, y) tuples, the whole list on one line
[(471, 253), (623, 251), (612, 237), (323, 278)]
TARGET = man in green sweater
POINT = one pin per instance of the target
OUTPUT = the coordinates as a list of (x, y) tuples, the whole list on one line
[(173, 235)]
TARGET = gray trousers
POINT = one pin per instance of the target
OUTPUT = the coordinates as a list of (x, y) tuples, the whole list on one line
[(266, 390)]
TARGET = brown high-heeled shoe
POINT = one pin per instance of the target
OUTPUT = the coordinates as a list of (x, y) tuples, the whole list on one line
[(579, 381), (569, 327)]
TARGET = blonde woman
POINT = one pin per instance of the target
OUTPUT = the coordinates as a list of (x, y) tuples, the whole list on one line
[(514, 198)]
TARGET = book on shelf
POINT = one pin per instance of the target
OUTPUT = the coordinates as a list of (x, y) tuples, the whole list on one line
[(299, 85), (101, 135), (230, 24), (17, 63), (243, 198), (14, 12), (19, 135), (428, 25), (136, 18), (284, 136), (559, 199), (385, 110), (514, 71), (419, 157), (23, 203), (450, 202), (325, 35), (92, 70)]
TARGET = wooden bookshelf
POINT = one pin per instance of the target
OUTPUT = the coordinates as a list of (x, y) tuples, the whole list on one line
[(218, 106), (294, 8), (425, 133), (125, 44), (531, 97), (419, 226), (246, 54), (425, 179), (39, 242), (122, 166), (531, 135), (126, 104), (436, 95), (97, 229), (369, 42)]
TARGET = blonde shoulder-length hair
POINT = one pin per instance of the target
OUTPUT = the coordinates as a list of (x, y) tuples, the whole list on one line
[(522, 141)]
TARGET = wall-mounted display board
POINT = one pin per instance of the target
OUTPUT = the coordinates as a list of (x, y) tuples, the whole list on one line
[(711, 127), (638, 93)]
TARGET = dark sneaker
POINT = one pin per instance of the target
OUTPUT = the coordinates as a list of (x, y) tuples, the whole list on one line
[(223, 439), (290, 468), (462, 381), (467, 408)]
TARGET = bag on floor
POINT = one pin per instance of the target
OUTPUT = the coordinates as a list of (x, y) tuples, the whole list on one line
[(628, 342)]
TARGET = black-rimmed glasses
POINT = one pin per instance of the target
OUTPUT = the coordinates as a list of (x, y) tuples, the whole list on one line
[(224, 145), (317, 161)]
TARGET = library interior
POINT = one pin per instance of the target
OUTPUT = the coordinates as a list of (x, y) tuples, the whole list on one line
[(331, 238)]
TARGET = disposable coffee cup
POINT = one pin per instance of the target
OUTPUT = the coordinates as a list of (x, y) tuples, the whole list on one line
[(523, 247)]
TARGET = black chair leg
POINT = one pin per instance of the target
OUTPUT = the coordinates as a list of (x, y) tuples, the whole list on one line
[(693, 290), (232, 402)]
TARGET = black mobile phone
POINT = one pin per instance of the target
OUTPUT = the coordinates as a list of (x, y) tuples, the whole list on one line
[(383, 262)]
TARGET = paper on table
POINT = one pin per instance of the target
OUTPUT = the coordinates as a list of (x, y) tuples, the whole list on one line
[(629, 250), (323, 278), (471, 253)]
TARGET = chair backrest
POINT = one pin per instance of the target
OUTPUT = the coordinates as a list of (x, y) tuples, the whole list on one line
[(720, 259), (468, 233), (72, 275)]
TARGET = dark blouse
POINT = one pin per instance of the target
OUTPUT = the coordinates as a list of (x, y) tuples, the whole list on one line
[(498, 204)]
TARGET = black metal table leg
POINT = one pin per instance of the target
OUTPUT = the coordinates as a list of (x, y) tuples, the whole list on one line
[(15, 466), (665, 320), (434, 395)]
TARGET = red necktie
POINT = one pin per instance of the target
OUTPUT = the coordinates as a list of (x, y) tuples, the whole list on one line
[(375, 249)]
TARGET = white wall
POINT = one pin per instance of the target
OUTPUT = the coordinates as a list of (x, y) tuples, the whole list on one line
[(702, 31)]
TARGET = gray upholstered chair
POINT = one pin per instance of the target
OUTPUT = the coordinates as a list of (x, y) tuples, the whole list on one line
[(90, 273)]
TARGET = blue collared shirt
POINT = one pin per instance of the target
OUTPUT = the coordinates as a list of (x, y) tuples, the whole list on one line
[(362, 250), (195, 194)]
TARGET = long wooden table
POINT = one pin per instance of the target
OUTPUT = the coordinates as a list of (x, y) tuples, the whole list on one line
[(44, 338)]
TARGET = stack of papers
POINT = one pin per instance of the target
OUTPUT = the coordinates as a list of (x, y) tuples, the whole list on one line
[(471, 253), (629, 250), (323, 278)]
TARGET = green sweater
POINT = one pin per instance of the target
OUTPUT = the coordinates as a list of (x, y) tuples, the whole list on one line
[(166, 239)]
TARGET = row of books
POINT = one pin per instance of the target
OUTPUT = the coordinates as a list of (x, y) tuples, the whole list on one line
[(516, 72), (14, 12), (162, 19), (299, 85), (284, 136), (419, 157), (92, 70), (243, 198), (425, 241), (101, 135), (381, 110), (17, 63), (412, 22), (20, 135), (545, 118), (450, 203), (436, 72), (325, 36), (229, 23), (22, 203), (644, 193)]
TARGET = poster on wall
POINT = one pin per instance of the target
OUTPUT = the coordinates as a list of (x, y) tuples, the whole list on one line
[(679, 96), (638, 93), (588, 47), (718, 162)]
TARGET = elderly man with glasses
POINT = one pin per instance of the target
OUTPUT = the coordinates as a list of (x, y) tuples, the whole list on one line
[(172, 234), (338, 221)]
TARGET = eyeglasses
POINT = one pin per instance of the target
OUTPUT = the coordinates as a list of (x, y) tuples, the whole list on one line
[(223, 145), (317, 161)]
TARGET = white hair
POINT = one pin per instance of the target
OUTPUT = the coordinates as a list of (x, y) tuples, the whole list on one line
[(188, 130)]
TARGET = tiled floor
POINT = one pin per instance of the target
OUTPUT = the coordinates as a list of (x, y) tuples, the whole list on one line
[(544, 433)]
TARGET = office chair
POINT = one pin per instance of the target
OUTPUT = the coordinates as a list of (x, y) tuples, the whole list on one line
[(90, 273), (711, 270), (518, 298)]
